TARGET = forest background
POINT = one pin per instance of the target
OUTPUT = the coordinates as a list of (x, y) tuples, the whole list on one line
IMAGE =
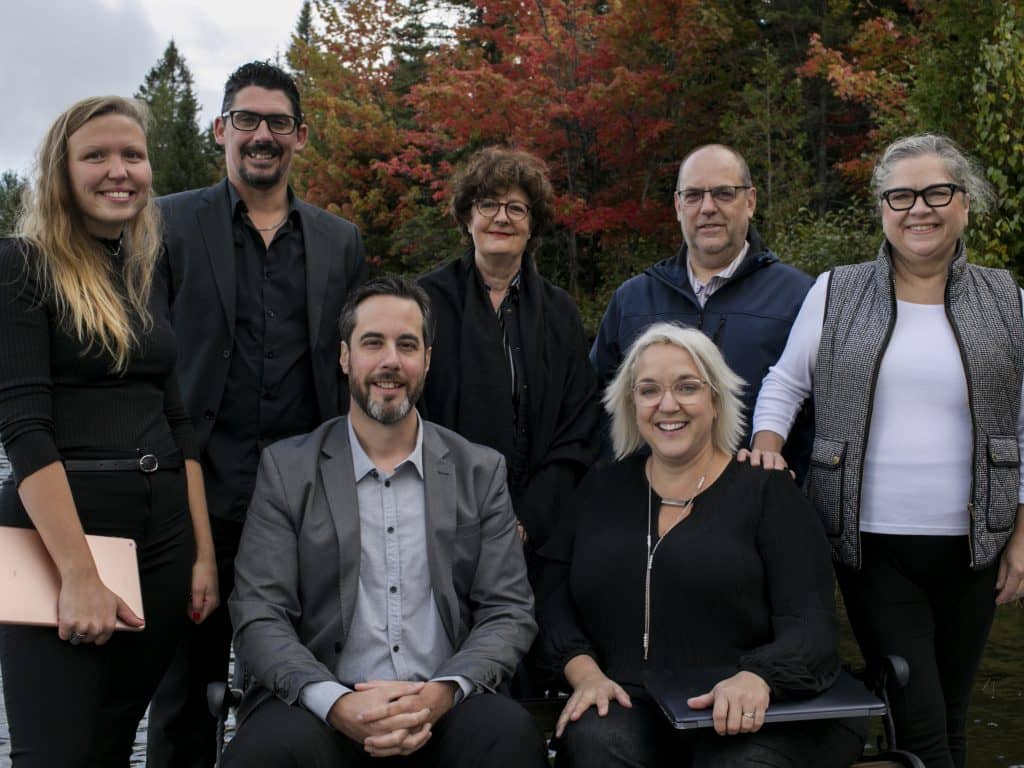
[(398, 93)]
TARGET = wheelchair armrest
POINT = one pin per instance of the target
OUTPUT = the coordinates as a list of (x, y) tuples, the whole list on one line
[(220, 699), (897, 670)]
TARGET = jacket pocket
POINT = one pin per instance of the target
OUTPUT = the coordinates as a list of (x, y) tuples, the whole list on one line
[(1003, 478), (825, 486)]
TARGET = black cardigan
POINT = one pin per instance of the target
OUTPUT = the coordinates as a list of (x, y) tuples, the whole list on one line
[(745, 581), (564, 406)]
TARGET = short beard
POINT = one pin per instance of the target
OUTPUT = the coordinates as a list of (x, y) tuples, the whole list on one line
[(386, 414), (255, 181), (259, 182)]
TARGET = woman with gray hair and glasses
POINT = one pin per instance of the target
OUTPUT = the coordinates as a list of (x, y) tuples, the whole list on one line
[(915, 362), (682, 558)]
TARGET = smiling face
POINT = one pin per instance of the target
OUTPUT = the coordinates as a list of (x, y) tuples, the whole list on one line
[(714, 232), (259, 159), (675, 433), (109, 173), (922, 234), (499, 237), (385, 359)]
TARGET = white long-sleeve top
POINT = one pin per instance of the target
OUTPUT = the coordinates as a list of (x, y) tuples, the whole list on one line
[(917, 462)]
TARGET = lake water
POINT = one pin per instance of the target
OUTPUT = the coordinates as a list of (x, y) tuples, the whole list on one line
[(996, 730)]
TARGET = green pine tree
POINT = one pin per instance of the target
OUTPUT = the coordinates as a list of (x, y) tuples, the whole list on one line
[(180, 157), (12, 191)]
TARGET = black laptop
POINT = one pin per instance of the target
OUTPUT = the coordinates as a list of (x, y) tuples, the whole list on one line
[(846, 698)]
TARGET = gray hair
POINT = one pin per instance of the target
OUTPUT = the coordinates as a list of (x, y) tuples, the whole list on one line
[(963, 169), (726, 388)]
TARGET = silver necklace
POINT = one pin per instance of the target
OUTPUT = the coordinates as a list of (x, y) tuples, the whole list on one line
[(271, 228), (683, 503)]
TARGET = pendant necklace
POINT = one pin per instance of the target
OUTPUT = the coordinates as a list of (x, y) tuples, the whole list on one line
[(682, 504)]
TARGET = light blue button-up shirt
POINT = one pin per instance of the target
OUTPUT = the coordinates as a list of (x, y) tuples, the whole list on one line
[(396, 631)]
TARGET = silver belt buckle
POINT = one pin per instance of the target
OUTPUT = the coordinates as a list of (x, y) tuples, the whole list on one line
[(149, 463)]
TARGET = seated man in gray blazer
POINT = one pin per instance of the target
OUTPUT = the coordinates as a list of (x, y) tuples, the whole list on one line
[(380, 589)]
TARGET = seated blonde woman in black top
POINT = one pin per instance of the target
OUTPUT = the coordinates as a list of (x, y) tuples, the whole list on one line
[(98, 442), (684, 558)]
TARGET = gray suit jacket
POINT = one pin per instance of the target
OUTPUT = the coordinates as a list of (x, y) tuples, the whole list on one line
[(198, 268), (297, 570)]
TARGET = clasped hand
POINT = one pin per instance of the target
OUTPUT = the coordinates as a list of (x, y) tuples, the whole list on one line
[(739, 703), (390, 717)]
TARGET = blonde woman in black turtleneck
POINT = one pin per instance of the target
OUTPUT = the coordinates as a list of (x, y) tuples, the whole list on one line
[(98, 442)]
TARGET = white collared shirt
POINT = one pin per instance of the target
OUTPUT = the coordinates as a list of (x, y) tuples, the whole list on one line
[(704, 290)]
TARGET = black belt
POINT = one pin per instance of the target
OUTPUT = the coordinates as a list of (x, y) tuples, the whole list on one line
[(145, 462)]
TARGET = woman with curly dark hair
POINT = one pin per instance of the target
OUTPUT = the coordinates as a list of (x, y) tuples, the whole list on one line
[(509, 366)]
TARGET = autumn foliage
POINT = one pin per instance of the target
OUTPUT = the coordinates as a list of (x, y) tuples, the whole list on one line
[(612, 95)]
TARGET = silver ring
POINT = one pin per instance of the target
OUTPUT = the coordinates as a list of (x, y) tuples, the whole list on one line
[(76, 638), (749, 715)]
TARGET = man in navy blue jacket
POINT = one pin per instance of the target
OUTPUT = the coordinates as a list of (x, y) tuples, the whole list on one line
[(723, 280)]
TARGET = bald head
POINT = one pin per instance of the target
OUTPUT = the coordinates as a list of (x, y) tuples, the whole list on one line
[(741, 164)]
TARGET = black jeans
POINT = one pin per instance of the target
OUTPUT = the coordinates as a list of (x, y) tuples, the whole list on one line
[(79, 706), (641, 737), (182, 732), (917, 597), (483, 731)]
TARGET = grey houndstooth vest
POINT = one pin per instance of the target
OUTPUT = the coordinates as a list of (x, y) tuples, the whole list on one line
[(984, 309)]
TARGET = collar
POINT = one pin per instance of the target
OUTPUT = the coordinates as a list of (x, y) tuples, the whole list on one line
[(237, 204), (725, 274), (363, 465)]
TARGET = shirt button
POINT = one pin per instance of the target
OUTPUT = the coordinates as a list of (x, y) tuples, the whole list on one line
[(271, 314), (266, 275), (391, 529), (209, 415), (226, 354), (394, 648), (394, 590), (270, 355), (375, 473), (387, 483)]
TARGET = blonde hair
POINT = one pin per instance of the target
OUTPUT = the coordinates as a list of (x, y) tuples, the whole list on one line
[(726, 388), (71, 264)]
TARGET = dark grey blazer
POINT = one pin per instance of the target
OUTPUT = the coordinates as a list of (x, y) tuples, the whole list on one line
[(198, 267), (297, 570)]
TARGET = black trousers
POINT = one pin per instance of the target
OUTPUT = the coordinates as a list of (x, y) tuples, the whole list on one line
[(483, 731), (916, 596), (79, 706), (641, 737), (182, 732)]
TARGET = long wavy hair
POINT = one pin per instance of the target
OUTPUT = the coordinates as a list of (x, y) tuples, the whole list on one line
[(70, 263)]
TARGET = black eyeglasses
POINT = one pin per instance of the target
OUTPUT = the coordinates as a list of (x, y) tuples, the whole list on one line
[(692, 196), (934, 196), (515, 210), (244, 120)]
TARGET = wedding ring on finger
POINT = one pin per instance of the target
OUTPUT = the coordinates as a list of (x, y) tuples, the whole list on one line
[(748, 715), (75, 638)]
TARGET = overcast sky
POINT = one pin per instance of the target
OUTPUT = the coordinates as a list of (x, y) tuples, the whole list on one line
[(57, 51)]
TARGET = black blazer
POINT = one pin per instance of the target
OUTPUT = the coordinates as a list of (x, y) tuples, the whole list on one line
[(198, 265)]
